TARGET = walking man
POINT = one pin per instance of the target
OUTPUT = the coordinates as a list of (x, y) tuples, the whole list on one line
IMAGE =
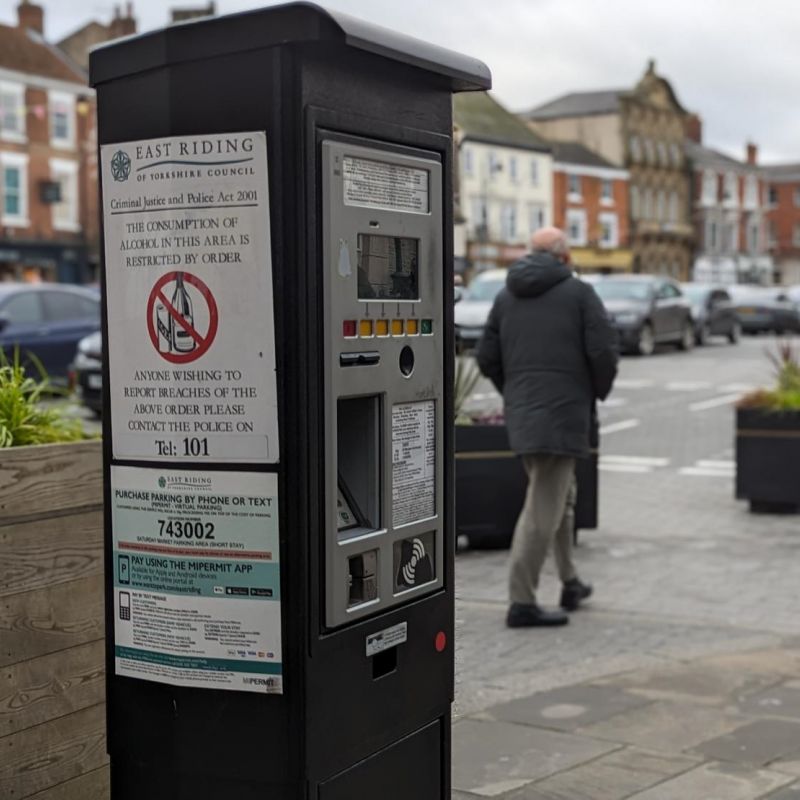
[(550, 350)]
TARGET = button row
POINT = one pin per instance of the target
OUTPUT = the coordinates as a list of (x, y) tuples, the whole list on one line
[(367, 328)]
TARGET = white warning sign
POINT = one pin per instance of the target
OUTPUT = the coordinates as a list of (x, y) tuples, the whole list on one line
[(191, 339), (413, 461)]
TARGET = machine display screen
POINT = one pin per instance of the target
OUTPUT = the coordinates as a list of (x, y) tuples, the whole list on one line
[(388, 267)]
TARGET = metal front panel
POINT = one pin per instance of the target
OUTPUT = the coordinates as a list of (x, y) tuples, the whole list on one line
[(383, 272)]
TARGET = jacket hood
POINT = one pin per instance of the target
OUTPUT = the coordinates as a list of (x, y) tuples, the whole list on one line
[(535, 274)]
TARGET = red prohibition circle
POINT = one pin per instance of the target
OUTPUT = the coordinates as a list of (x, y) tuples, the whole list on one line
[(203, 342)]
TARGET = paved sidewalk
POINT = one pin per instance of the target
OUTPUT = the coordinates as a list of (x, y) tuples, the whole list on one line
[(724, 727)]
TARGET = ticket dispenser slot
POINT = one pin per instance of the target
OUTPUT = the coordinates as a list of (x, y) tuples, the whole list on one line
[(382, 233)]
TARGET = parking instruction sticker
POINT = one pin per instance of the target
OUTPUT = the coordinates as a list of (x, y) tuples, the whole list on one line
[(191, 339), (197, 578), (413, 461)]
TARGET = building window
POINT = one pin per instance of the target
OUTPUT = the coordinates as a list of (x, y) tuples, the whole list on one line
[(508, 222), (576, 226), (729, 189), (772, 196), (479, 218), (751, 192), (534, 172), (797, 196), (672, 211), (753, 243), (675, 152), (609, 230), (574, 187), (606, 192), (772, 234), (62, 119), (650, 151), (513, 174), (495, 164), (663, 157), (728, 237), (709, 195), (635, 148), (12, 112), (796, 235), (65, 212), (536, 216), (711, 235), (661, 206), (647, 206), (14, 168), (635, 203), (468, 161)]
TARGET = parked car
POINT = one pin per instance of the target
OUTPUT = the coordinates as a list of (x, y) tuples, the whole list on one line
[(712, 312), (47, 320), (646, 310), (86, 374), (763, 309), (472, 310)]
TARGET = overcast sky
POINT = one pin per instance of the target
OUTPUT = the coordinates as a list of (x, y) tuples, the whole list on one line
[(733, 61)]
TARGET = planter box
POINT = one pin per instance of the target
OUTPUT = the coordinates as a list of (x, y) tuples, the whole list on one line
[(491, 484), (768, 459), (51, 622)]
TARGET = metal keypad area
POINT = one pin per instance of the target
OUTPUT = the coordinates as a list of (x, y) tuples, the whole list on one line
[(383, 279)]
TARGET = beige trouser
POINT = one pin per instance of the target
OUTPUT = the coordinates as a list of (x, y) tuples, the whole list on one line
[(547, 517)]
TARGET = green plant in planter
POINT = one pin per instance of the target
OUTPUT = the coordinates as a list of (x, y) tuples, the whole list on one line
[(23, 419), (785, 396)]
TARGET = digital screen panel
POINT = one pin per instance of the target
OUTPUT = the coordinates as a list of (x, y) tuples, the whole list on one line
[(388, 267)]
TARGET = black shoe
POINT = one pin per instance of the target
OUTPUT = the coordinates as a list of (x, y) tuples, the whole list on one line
[(574, 593), (522, 615)]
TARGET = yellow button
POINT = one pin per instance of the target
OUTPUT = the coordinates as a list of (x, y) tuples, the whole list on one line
[(397, 327), (365, 327), (411, 327), (381, 327)]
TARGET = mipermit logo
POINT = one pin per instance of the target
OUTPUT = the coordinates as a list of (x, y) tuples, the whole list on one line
[(120, 166)]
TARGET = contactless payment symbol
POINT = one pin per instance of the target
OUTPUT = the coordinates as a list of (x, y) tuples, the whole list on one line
[(182, 317)]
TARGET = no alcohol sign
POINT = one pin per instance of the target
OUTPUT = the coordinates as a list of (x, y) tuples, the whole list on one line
[(182, 317), (191, 337)]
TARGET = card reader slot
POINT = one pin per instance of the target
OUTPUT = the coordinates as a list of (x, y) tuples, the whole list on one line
[(368, 358)]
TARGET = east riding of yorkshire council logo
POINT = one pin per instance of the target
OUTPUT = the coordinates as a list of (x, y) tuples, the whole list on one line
[(120, 166), (162, 481)]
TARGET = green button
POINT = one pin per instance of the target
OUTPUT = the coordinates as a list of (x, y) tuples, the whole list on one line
[(426, 326)]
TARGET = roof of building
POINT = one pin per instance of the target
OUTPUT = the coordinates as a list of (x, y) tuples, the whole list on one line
[(709, 157), (481, 118), (23, 50), (578, 104), (781, 173), (576, 153)]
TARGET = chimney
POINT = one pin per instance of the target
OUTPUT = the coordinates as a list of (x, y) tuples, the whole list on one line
[(31, 17), (694, 128), (122, 25), (752, 154)]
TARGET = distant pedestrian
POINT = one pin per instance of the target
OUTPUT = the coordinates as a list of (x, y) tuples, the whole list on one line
[(550, 350)]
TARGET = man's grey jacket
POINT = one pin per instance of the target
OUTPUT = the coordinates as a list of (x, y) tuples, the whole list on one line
[(549, 348)]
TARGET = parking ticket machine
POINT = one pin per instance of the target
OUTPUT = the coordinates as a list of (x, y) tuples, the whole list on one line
[(277, 317)]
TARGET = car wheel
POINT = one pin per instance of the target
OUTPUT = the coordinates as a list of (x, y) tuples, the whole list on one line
[(647, 340), (687, 336), (735, 333), (703, 334)]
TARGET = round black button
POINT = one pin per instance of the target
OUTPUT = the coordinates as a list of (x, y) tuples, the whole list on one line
[(406, 361)]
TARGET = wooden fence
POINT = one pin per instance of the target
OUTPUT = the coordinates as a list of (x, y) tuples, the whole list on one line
[(52, 692)]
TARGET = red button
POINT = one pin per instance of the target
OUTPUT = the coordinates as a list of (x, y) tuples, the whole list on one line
[(441, 641), (349, 328)]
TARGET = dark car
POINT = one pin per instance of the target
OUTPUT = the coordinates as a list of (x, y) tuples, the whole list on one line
[(646, 310), (47, 320), (713, 312), (86, 375), (763, 309)]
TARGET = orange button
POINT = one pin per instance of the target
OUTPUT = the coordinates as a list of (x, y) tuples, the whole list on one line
[(381, 327), (397, 327), (412, 328), (365, 327)]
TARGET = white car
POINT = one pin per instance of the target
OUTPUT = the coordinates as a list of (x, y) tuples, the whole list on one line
[(472, 310)]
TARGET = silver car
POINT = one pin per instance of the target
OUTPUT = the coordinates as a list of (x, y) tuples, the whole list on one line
[(472, 310)]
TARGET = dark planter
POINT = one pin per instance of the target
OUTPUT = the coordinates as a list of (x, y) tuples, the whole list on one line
[(491, 484), (768, 459)]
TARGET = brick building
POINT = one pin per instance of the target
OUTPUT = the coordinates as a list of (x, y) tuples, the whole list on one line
[(782, 190), (48, 163), (78, 43), (728, 210), (642, 131), (590, 203)]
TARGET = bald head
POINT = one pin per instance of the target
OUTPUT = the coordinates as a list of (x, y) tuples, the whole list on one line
[(551, 240)]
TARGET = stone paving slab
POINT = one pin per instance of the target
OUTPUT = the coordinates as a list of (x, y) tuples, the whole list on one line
[(615, 776), (755, 744), (491, 758), (716, 782), (787, 793), (667, 726), (569, 708), (777, 701)]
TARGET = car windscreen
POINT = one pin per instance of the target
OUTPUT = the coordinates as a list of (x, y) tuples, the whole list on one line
[(696, 294), (623, 290), (484, 290)]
